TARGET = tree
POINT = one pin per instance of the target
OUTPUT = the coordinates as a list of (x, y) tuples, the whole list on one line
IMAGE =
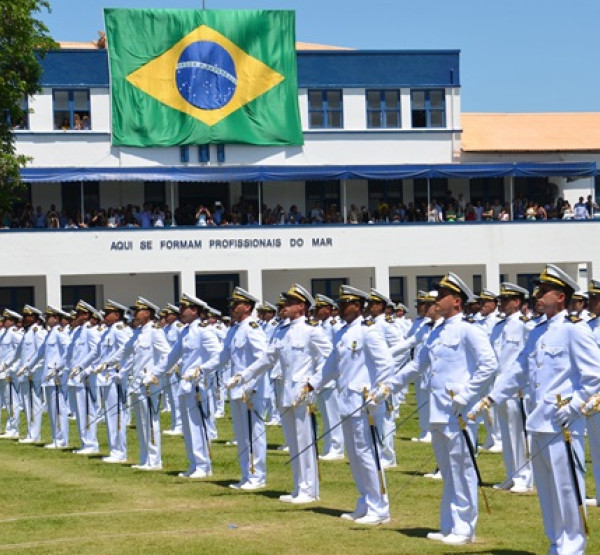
[(23, 41)]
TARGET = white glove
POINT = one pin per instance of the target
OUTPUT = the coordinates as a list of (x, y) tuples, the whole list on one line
[(99, 369), (458, 405), (192, 374), (22, 371), (480, 406), (302, 395), (236, 379), (565, 415), (376, 396), (591, 405), (248, 394), (150, 379)]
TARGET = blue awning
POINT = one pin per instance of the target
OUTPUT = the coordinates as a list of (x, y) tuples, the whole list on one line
[(307, 173)]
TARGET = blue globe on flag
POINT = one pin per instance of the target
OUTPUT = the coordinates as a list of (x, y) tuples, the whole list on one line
[(205, 75)]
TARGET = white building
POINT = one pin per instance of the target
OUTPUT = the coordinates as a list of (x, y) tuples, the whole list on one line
[(378, 126)]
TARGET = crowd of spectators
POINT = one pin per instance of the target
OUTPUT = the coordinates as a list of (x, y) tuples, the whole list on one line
[(245, 213)]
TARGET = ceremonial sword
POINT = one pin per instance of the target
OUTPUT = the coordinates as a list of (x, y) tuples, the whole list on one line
[(203, 420), (313, 421), (469, 442), (524, 421), (571, 458), (375, 446), (248, 402)]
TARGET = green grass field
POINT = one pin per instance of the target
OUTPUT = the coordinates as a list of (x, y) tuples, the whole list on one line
[(58, 502)]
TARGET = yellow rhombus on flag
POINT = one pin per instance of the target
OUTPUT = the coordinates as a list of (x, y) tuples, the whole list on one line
[(196, 77)]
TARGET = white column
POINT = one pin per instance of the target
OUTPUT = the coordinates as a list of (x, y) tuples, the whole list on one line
[(255, 282), (382, 279), (53, 292), (411, 291), (492, 276), (187, 282)]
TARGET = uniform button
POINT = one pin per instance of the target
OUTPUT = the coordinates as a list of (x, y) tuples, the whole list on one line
[(537, 385)]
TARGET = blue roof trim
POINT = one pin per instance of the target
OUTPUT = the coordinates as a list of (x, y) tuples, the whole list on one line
[(339, 68), (75, 68), (366, 68), (307, 173)]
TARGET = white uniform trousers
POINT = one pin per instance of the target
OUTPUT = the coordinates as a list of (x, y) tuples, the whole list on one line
[(458, 509), (361, 455), (554, 482), (492, 428), (58, 413), (297, 428), (172, 398), (150, 447), (116, 426), (274, 390), (239, 415), (194, 432), (593, 428), (3, 400), (31, 400), (13, 403), (385, 422), (422, 398), (333, 442), (209, 405), (86, 415), (219, 396), (518, 469)]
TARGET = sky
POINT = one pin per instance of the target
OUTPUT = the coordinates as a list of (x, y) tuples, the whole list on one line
[(516, 55)]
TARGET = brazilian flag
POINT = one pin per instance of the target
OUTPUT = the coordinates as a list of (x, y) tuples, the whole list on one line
[(182, 77)]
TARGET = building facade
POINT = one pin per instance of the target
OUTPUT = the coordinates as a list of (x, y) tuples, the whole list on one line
[(380, 127)]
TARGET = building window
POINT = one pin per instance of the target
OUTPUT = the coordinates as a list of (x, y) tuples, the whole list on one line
[(154, 193), (15, 298), (325, 196), (325, 110), (427, 283), (71, 197), (526, 281), (215, 289), (385, 191), (72, 110), (71, 294), (397, 289), (477, 284), (428, 108), (21, 121), (486, 189), (438, 190), (328, 286), (383, 109)]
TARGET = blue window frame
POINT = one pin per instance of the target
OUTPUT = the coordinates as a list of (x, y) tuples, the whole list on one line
[(383, 109), (15, 298), (428, 108), (427, 283), (398, 289), (325, 109), (388, 191), (326, 193), (215, 289), (72, 293), (527, 281), (72, 109), (328, 286)]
